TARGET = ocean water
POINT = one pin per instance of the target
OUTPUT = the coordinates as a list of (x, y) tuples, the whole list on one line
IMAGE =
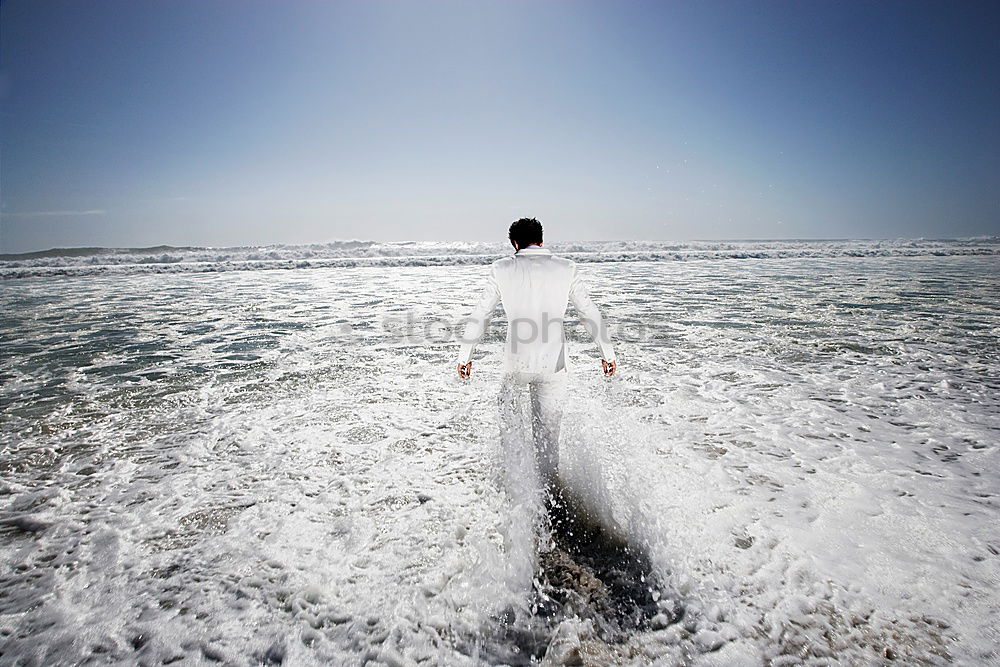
[(203, 459), (338, 254)]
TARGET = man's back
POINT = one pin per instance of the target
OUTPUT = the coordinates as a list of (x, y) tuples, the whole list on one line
[(535, 288)]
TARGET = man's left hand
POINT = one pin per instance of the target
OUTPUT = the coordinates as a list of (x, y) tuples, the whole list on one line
[(609, 367)]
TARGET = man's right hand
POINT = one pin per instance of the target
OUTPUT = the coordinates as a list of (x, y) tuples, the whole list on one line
[(609, 367), (465, 370)]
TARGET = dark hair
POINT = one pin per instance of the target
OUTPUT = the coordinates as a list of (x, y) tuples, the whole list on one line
[(525, 231)]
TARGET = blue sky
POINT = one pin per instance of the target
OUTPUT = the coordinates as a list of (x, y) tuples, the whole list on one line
[(237, 122)]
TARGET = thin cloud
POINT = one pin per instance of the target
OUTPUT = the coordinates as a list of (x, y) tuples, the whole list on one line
[(57, 214)]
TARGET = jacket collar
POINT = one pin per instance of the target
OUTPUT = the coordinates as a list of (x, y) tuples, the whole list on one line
[(533, 250)]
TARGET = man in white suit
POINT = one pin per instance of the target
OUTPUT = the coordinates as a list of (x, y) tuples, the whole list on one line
[(535, 288)]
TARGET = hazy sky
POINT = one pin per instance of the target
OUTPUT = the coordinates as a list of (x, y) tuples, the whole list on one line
[(234, 123)]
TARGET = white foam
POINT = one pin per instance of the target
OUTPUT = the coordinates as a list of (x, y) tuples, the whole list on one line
[(208, 467)]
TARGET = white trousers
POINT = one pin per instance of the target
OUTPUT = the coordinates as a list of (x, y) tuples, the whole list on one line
[(531, 408)]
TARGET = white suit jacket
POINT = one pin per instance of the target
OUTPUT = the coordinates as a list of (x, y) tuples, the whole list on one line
[(535, 288)]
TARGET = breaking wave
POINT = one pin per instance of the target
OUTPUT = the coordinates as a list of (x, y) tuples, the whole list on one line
[(171, 259)]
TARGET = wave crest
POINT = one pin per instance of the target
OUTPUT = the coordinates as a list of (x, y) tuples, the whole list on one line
[(170, 259)]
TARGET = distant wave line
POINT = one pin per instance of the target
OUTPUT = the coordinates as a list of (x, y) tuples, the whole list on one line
[(164, 261)]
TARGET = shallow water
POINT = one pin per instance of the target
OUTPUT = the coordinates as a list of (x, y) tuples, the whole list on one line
[(268, 466)]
